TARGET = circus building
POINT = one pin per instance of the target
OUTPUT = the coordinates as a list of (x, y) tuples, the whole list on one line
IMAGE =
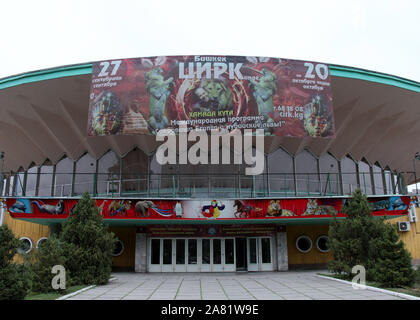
[(103, 128)]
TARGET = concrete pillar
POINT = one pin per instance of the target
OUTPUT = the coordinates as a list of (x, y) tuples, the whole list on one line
[(282, 259), (140, 264)]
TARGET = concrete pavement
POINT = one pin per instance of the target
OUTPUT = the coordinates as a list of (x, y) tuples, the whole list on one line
[(292, 285)]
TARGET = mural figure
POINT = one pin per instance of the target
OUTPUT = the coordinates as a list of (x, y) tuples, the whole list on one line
[(18, 207), (316, 120), (214, 95), (213, 210), (274, 209), (51, 209), (120, 208), (244, 211), (158, 88), (313, 208), (178, 209), (142, 208)]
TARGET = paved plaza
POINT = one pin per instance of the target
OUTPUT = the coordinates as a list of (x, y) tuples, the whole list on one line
[(303, 285)]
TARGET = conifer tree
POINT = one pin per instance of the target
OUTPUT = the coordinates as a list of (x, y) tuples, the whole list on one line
[(87, 244), (15, 281), (362, 239)]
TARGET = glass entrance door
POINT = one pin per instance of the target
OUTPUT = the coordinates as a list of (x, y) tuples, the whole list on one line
[(192, 255), (260, 255)]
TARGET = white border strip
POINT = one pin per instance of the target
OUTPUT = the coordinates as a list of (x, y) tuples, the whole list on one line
[(393, 293), (74, 293), (81, 290)]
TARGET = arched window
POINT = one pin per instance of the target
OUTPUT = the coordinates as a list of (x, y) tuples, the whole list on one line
[(85, 175), (329, 173), (348, 174), (108, 174), (280, 169), (63, 177), (45, 179), (378, 179), (365, 178), (31, 181), (135, 166), (307, 178)]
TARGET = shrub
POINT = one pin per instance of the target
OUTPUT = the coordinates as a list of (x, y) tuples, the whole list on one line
[(87, 244), (15, 280), (49, 254)]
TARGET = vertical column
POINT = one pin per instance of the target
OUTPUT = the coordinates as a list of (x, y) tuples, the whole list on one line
[(282, 258), (141, 253)]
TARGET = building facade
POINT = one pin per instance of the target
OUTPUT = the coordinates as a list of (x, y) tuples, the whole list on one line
[(206, 218)]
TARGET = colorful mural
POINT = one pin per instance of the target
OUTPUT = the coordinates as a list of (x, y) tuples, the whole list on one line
[(204, 209)]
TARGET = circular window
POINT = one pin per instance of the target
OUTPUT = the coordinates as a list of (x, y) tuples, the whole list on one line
[(118, 249), (40, 241), (322, 244), (25, 245), (304, 244)]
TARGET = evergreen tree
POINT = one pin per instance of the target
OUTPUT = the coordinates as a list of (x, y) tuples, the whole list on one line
[(362, 239), (15, 280), (87, 244), (393, 262)]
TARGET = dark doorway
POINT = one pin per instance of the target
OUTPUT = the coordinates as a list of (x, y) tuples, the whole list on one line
[(241, 263)]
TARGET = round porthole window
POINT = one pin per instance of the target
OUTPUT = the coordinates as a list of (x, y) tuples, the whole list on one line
[(118, 249), (322, 244), (304, 244), (40, 241), (26, 245)]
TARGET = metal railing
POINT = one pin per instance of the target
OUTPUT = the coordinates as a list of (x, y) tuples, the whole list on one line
[(209, 185)]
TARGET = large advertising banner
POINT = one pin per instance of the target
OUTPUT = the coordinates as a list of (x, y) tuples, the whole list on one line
[(217, 209), (143, 95)]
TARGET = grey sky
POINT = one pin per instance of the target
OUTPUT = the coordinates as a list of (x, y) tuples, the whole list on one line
[(377, 35)]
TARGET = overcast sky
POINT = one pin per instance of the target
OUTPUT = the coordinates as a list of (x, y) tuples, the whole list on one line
[(377, 35)]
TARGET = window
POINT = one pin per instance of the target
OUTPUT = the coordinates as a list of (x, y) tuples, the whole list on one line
[(365, 177), (378, 179), (63, 177), (85, 175), (31, 181), (26, 245), (348, 173), (307, 179), (322, 243), (280, 168), (304, 244), (329, 173), (135, 172), (118, 249), (45, 179), (108, 174)]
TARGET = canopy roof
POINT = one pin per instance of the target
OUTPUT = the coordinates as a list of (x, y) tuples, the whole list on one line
[(43, 115)]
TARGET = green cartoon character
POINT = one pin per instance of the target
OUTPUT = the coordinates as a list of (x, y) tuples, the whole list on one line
[(263, 91), (158, 88)]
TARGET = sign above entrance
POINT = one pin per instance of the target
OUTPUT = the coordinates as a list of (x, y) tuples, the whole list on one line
[(144, 95), (205, 210), (241, 230)]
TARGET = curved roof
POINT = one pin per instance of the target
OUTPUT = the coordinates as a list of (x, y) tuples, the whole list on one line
[(43, 115)]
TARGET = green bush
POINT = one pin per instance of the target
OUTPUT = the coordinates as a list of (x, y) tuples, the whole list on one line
[(87, 244), (362, 239), (15, 279), (48, 255)]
